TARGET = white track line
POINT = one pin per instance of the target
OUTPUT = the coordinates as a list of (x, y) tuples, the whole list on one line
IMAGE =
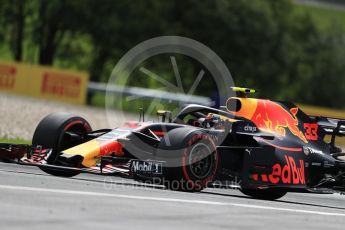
[(162, 199)]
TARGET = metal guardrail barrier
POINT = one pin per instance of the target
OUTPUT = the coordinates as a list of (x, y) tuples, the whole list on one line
[(148, 94)]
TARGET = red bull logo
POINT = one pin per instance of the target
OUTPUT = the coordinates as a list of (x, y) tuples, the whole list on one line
[(289, 173), (270, 116)]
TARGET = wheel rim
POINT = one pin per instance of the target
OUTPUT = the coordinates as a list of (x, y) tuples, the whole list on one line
[(200, 161)]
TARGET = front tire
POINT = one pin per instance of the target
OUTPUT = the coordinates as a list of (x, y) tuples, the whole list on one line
[(51, 133)]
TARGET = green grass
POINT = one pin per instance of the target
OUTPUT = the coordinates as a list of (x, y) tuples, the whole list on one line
[(14, 141), (324, 18), (322, 111)]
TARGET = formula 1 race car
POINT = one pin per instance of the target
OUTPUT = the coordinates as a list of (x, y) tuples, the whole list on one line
[(267, 147)]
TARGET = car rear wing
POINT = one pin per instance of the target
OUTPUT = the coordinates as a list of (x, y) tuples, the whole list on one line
[(332, 126)]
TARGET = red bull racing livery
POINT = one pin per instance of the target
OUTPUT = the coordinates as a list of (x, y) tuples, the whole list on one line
[(265, 148)]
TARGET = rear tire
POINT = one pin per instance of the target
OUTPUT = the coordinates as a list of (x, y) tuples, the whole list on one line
[(50, 133), (197, 160), (264, 194)]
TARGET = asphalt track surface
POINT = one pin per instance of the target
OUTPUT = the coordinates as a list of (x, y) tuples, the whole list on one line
[(31, 199)]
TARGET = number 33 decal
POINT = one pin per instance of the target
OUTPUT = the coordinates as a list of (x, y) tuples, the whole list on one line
[(311, 131)]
